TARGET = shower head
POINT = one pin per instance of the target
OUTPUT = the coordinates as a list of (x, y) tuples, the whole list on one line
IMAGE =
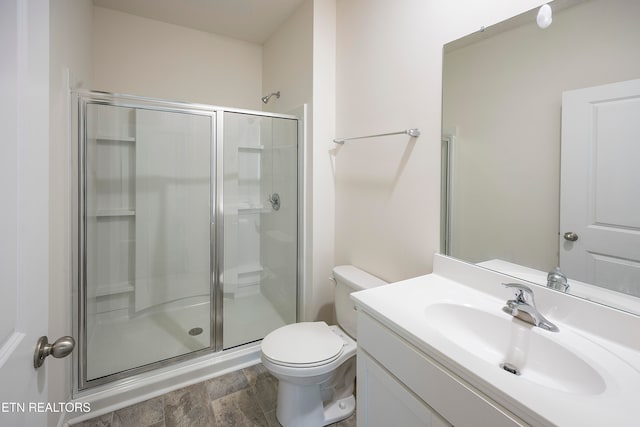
[(266, 98)]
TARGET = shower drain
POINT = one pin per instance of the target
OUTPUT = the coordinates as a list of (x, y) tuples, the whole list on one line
[(510, 368), (195, 331)]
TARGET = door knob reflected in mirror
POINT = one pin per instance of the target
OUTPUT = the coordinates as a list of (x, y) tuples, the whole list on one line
[(59, 349), (570, 236)]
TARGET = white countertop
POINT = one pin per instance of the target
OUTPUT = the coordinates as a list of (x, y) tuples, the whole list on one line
[(403, 306)]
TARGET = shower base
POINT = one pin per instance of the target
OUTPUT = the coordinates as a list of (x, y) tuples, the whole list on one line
[(123, 342), (129, 391)]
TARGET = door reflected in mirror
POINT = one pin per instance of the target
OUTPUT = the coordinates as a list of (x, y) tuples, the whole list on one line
[(525, 109)]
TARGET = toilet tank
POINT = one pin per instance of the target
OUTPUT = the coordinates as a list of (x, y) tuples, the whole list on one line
[(350, 279)]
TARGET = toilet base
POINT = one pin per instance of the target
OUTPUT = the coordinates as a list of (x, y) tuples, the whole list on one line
[(339, 410), (303, 407)]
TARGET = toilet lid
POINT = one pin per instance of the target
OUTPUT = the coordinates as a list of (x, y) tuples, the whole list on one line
[(302, 344)]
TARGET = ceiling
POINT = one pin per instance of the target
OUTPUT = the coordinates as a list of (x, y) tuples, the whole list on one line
[(249, 20)]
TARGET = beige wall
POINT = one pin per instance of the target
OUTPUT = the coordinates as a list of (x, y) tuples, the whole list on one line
[(322, 191), (144, 57), (507, 124), (287, 62), (389, 59), (70, 66)]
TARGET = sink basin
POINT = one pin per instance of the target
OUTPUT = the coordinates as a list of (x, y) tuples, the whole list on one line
[(515, 347)]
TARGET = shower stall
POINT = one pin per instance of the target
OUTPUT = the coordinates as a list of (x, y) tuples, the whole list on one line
[(185, 231)]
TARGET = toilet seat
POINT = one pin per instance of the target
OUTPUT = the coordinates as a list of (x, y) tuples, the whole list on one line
[(302, 345)]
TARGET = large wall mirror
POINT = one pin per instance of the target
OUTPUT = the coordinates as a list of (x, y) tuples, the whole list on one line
[(541, 148)]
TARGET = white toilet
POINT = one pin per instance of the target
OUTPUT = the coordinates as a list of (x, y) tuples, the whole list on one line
[(315, 363)]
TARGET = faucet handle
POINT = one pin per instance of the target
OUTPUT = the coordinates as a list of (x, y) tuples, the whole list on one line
[(523, 293), (511, 307), (556, 279)]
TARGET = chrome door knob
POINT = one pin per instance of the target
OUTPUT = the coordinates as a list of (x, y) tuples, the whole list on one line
[(570, 236), (61, 348)]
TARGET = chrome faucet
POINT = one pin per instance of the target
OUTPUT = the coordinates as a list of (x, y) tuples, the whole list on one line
[(524, 308), (557, 280)]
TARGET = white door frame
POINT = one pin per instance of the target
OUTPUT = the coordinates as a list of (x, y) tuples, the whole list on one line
[(24, 191)]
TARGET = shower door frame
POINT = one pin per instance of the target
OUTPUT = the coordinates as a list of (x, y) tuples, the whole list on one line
[(80, 99)]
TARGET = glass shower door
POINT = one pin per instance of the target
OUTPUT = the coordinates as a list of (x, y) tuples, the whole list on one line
[(146, 260), (260, 225)]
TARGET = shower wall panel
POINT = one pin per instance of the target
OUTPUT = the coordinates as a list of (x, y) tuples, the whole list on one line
[(243, 201), (173, 199), (260, 235), (110, 170), (279, 227)]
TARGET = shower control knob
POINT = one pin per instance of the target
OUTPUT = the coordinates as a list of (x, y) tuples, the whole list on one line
[(62, 347), (274, 199)]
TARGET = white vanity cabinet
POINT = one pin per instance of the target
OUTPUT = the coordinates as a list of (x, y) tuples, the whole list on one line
[(399, 385), (384, 401)]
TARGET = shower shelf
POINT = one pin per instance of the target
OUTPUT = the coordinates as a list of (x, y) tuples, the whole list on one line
[(250, 209), (115, 212), (251, 148), (249, 268), (115, 138), (119, 288)]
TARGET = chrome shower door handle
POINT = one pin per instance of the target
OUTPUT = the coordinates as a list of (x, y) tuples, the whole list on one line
[(570, 236), (59, 349)]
